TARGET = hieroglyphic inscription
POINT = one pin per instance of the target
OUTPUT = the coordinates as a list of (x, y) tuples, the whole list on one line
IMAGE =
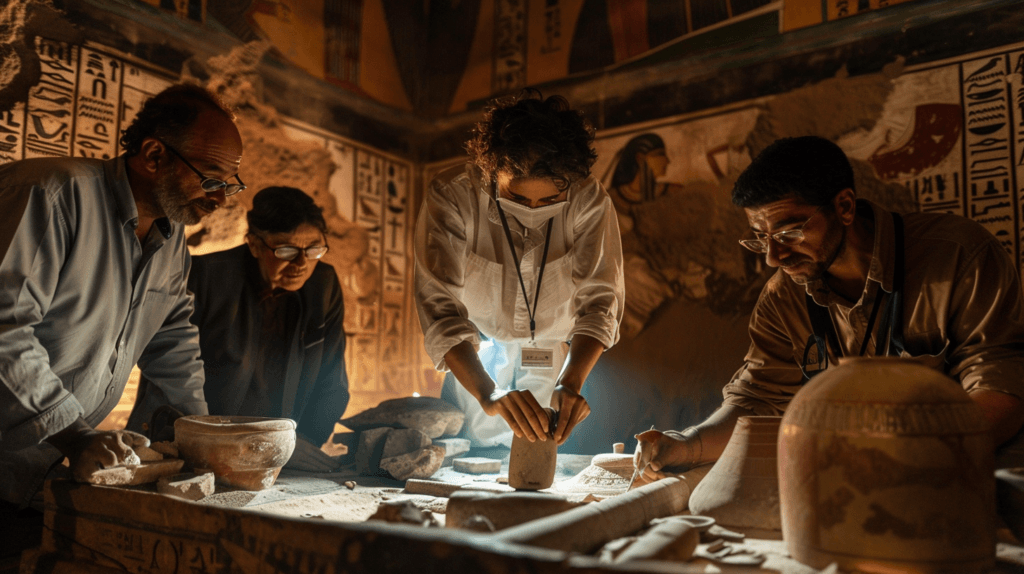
[(12, 133), (96, 112), (991, 192), (509, 45), (552, 27), (1017, 143), (83, 100), (51, 102)]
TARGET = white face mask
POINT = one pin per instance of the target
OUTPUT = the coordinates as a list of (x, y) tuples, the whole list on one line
[(532, 217)]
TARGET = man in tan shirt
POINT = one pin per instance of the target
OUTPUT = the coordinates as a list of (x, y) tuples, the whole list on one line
[(956, 304)]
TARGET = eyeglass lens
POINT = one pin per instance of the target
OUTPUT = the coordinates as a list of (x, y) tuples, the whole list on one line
[(287, 253)]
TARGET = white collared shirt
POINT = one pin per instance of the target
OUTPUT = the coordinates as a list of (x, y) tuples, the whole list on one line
[(466, 282)]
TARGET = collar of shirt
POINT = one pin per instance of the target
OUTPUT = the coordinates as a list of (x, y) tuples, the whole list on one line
[(883, 257), (117, 181)]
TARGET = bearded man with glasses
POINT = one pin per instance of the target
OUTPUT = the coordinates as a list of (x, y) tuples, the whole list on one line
[(270, 316), (93, 263), (857, 280)]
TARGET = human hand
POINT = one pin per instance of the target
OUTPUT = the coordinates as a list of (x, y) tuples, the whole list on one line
[(521, 411), (660, 454), (105, 449), (309, 458), (572, 409)]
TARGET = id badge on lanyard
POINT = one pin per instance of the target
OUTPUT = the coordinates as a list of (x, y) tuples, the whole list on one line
[(531, 356), (536, 358)]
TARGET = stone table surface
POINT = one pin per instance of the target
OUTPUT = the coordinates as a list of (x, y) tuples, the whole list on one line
[(326, 496)]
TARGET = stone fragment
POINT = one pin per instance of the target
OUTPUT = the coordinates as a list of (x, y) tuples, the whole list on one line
[(618, 448), (434, 417), (422, 463), (165, 448), (402, 441), (147, 454), (368, 453), (477, 465), (403, 512), (350, 484), (452, 446), (188, 485), (430, 487), (133, 474)]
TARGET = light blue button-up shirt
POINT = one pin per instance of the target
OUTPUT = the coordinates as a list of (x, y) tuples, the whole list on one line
[(81, 302)]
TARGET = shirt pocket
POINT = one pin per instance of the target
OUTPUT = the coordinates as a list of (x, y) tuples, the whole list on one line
[(557, 288)]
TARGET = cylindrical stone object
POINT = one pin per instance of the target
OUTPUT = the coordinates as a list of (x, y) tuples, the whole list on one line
[(587, 528)]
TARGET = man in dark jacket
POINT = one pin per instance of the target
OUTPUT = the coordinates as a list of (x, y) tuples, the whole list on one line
[(270, 323)]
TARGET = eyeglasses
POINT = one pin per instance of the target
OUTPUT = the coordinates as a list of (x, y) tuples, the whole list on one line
[(289, 252), (788, 237), (209, 184)]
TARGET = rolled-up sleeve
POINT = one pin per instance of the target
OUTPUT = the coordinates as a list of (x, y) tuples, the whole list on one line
[(440, 256), (597, 268), (770, 376), (34, 234), (987, 323)]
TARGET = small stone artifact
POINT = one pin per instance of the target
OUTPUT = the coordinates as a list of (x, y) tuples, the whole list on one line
[(244, 452), (742, 489), (188, 486), (887, 465), (135, 474), (586, 528), (434, 417), (502, 509), (531, 465), (477, 465)]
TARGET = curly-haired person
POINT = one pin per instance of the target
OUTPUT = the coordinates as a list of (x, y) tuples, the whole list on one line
[(93, 264), (519, 272)]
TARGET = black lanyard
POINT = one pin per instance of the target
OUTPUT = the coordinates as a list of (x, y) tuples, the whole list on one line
[(825, 331), (540, 273)]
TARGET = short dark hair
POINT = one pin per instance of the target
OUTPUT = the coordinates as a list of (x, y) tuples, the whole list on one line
[(170, 116), (284, 209), (529, 136), (809, 167)]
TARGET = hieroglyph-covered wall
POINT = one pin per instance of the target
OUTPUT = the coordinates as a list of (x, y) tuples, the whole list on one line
[(944, 137), (87, 94)]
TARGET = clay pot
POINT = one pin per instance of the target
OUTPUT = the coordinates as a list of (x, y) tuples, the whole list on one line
[(243, 452), (531, 465), (741, 491), (887, 466)]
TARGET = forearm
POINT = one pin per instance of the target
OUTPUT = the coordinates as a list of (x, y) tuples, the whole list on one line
[(469, 371), (583, 355), (716, 431), (1003, 412)]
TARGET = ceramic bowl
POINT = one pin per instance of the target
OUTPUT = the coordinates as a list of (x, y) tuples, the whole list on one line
[(242, 452)]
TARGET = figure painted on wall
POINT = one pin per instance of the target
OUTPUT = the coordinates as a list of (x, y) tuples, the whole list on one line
[(635, 173)]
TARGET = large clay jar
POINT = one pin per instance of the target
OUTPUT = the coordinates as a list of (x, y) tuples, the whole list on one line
[(243, 452), (531, 465), (742, 489), (887, 466)]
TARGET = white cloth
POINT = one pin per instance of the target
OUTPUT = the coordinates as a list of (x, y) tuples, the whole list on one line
[(466, 282)]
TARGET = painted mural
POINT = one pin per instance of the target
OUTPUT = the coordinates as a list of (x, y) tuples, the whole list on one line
[(798, 14), (86, 95), (942, 137)]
